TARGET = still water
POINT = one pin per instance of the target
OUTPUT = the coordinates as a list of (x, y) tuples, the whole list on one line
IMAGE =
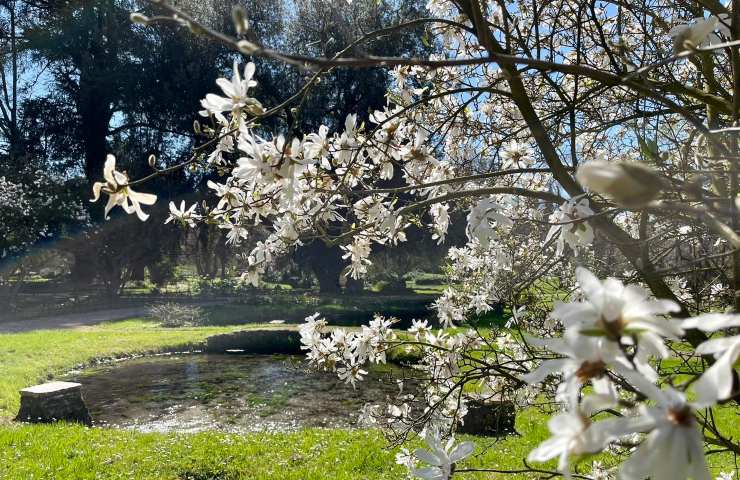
[(233, 393)]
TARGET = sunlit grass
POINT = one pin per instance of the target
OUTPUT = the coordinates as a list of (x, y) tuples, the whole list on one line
[(64, 451)]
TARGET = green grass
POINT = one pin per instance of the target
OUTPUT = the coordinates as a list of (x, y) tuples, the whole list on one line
[(72, 452), (61, 451)]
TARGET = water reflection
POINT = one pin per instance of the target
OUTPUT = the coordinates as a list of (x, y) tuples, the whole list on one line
[(234, 393)]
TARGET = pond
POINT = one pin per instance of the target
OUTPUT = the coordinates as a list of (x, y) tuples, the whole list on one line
[(227, 392)]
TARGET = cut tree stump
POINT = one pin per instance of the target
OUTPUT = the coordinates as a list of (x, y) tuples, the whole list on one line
[(489, 416), (53, 402)]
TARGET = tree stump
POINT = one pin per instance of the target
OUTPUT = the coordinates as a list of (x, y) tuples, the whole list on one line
[(489, 416), (52, 402)]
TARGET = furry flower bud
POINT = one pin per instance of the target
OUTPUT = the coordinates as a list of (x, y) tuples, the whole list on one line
[(629, 184), (239, 16)]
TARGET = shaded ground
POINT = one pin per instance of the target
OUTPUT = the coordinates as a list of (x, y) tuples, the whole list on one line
[(72, 320), (77, 320), (291, 308)]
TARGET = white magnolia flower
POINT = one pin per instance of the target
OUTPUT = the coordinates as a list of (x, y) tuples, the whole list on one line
[(515, 153), (235, 234), (673, 448), (441, 221), (119, 193), (237, 94), (419, 327), (600, 472), (441, 458), (695, 34), (483, 218), (225, 144), (574, 433), (585, 358), (316, 146), (358, 252), (615, 311), (186, 217), (351, 373), (716, 382), (573, 233)]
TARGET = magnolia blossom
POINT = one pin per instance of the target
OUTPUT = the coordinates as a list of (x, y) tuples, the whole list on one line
[(358, 252), (585, 358), (716, 382), (695, 34), (441, 221), (185, 217), (119, 193), (617, 311), (574, 433), (419, 327), (515, 153), (237, 95), (482, 220), (673, 449), (351, 373), (441, 457), (573, 232)]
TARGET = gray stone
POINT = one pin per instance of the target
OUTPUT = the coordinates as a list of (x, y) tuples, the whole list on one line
[(52, 402), (256, 341), (489, 416)]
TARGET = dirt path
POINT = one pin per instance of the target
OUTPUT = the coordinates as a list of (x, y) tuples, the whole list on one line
[(72, 320)]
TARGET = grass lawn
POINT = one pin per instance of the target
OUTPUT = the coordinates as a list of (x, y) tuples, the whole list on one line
[(73, 452)]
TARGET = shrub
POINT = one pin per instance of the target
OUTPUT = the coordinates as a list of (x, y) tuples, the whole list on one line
[(173, 314)]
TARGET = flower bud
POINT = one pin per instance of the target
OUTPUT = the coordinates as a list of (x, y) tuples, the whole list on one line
[(246, 47), (139, 18), (628, 184), (194, 28), (239, 16), (196, 127), (152, 160), (691, 36)]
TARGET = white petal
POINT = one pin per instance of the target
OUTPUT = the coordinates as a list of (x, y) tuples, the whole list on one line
[(717, 345), (716, 382), (548, 367), (462, 451), (427, 457), (548, 449), (145, 198), (97, 186), (429, 473), (711, 322), (109, 168)]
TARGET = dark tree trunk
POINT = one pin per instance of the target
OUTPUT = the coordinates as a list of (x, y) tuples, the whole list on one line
[(325, 262)]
